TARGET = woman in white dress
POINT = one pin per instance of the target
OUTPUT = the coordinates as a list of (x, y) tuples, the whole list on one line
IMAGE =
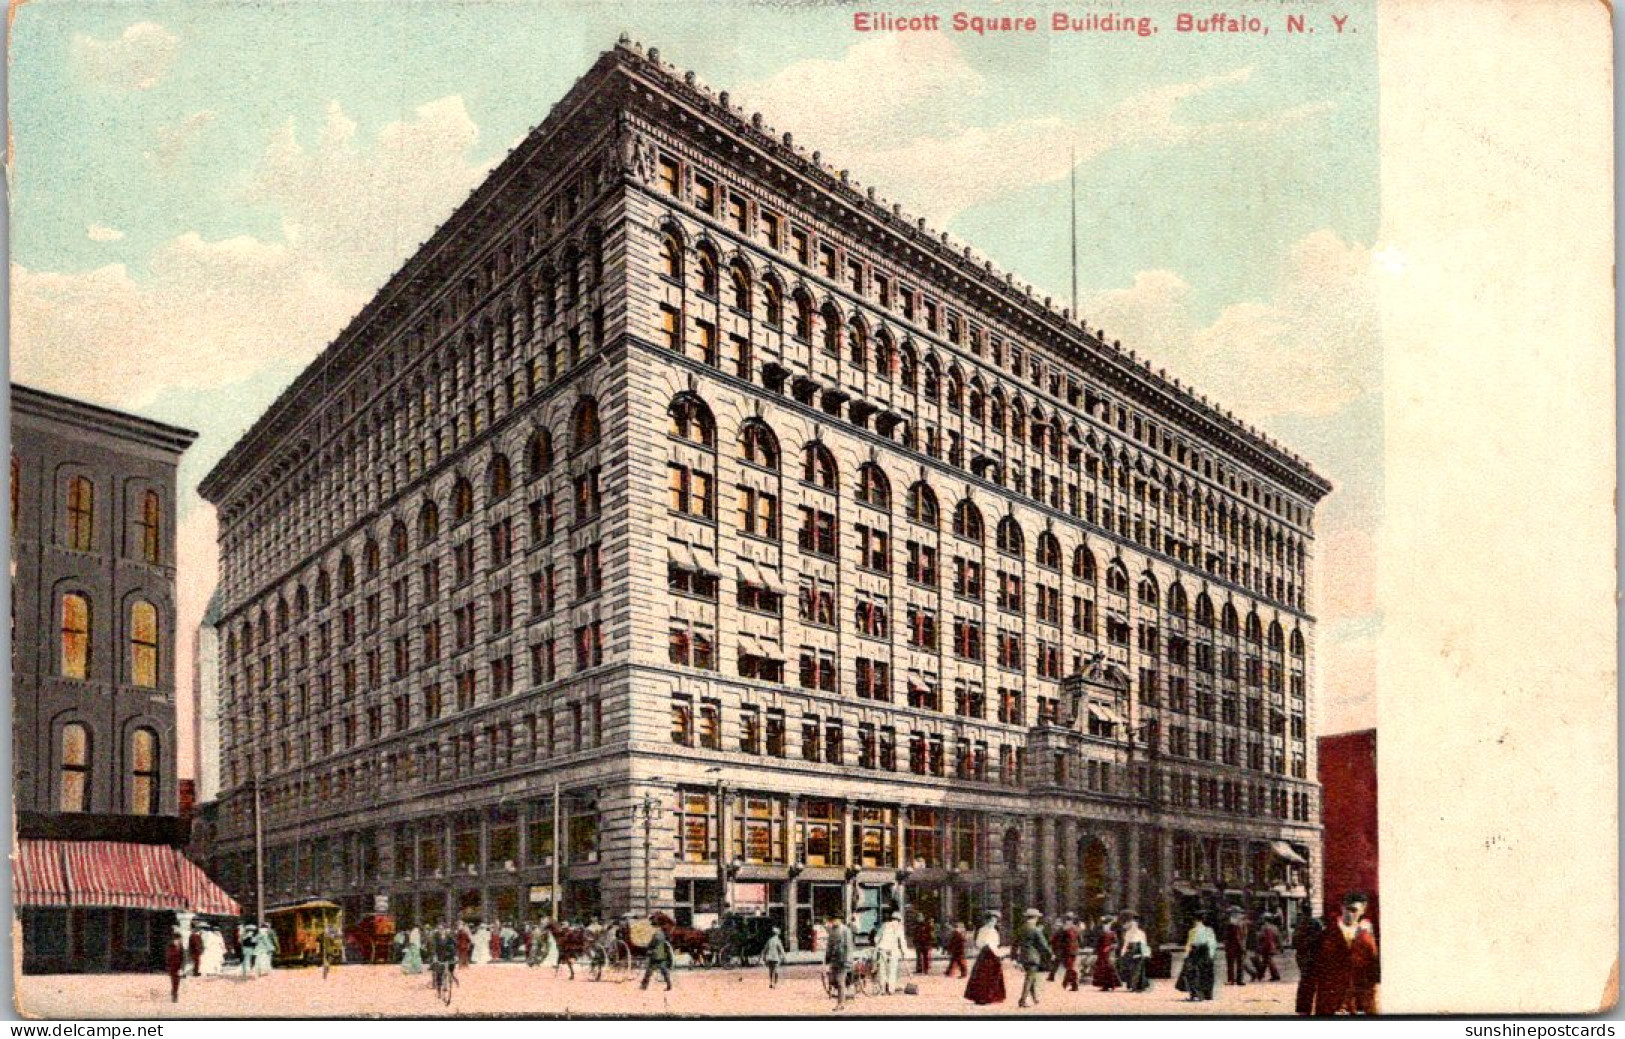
[(213, 960), (482, 946)]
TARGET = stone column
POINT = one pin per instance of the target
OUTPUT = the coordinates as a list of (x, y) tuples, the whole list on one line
[(1134, 883), (1046, 857), (1070, 867)]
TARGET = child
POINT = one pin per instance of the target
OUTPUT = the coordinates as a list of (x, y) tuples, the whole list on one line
[(773, 956)]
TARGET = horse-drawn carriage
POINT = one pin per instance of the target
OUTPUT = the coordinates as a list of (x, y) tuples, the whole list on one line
[(609, 953), (737, 940)]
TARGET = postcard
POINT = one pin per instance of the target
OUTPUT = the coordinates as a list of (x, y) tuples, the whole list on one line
[(748, 510)]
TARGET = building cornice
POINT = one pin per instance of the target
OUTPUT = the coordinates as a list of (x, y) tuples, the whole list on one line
[(27, 402)]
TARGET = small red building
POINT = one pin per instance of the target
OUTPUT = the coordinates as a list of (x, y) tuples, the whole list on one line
[(1348, 782)]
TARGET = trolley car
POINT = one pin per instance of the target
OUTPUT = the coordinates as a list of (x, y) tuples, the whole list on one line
[(299, 929)]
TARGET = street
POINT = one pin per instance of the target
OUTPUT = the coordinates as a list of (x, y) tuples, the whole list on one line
[(511, 988)]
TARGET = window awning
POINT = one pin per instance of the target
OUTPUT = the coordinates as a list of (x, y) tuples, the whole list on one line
[(114, 874), (682, 557), (1105, 714), (1284, 850)]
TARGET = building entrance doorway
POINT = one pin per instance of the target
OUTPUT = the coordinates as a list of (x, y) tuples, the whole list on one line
[(815, 904), (1093, 864)]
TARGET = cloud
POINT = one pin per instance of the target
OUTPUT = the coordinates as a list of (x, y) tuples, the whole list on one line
[(860, 110), (103, 233), (362, 211), (172, 142), (1315, 336), (136, 60)]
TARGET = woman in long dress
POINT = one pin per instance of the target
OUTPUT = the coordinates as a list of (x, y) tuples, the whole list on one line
[(213, 960), (265, 950), (1105, 978), (986, 983), (1196, 976), (412, 953), (481, 953), (1136, 952)]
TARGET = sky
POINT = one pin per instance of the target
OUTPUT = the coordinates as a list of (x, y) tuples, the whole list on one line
[(204, 195)]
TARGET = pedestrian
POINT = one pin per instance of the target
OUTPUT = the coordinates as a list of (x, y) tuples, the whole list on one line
[(246, 936), (925, 937), (1346, 968), (957, 940), (1305, 944), (465, 944), (658, 956), (569, 941), (1033, 953), (1235, 947), (1269, 946), (266, 948), (332, 944), (890, 948), (214, 953), (838, 955), (1131, 965), (194, 949), (175, 964), (411, 951), (986, 983), (773, 957), (1196, 976), (1105, 977), (1065, 943)]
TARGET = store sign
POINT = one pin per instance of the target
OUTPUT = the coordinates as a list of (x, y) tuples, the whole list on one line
[(541, 894)]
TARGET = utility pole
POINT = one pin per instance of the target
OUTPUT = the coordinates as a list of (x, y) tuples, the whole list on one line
[(259, 856), (650, 810), (722, 850), (558, 850)]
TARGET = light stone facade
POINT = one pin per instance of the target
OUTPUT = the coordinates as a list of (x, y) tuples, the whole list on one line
[(692, 415)]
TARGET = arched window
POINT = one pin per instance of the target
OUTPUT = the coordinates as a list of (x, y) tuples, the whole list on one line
[(710, 281), (1149, 593), (739, 276), (73, 793), (1255, 628), (370, 557), (324, 588), (908, 370), (1083, 564), (1229, 621), (151, 524), (922, 505), (1277, 636), (804, 316), (671, 256), (81, 513), (968, 520), (691, 420), (1049, 551), (832, 330), (301, 602), (1297, 642), (399, 543), (499, 478), (1010, 539), (885, 355), (1117, 578), (75, 636), (1204, 610), (462, 499), (857, 345), (773, 303), (956, 390), (873, 487), (584, 423), (346, 575), (1018, 420), (1012, 848), (976, 403), (931, 384), (758, 445), (428, 525), (1177, 603), (538, 453), (144, 787), (818, 466), (281, 615)]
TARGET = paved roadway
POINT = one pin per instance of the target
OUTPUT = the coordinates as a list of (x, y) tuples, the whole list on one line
[(515, 989)]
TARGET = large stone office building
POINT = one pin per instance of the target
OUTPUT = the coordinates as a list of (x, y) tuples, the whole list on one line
[(817, 565)]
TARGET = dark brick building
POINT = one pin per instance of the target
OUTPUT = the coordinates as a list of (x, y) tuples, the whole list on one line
[(1348, 784)]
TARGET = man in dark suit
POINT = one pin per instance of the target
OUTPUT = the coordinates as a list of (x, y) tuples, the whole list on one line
[(1346, 970), (1235, 947), (194, 950), (175, 964)]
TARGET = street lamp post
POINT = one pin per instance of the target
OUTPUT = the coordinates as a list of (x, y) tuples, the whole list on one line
[(722, 844), (648, 810)]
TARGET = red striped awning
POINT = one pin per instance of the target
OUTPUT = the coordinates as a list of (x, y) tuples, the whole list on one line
[(38, 877), (114, 874)]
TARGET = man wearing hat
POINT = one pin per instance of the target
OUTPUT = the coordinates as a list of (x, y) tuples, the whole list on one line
[(1346, 969), (1065, 942), (175, 964), (1032, 952), (1235, 947), (958, 940), (1269, 946)]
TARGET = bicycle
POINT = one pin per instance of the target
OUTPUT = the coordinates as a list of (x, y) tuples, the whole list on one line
[(860, 979), (444, 977)]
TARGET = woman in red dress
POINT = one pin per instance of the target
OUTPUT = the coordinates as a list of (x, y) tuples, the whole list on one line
[(987, 976), (1105, 977)]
